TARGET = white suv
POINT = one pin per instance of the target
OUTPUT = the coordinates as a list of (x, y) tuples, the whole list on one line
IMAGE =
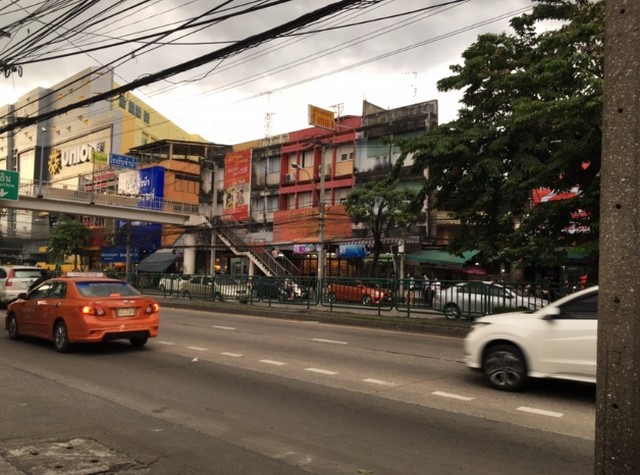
[(15, 280), (557, 341)]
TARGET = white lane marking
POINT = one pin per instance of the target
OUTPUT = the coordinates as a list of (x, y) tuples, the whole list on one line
[(220, 327), (235, 355), (540, 412), (335, 342), (168, 343), (321, 371), (452, 396), (378, 381), (196, 348), (276, 363)]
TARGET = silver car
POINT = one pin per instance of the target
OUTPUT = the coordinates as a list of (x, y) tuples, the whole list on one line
[(218, 288), (483, 298)]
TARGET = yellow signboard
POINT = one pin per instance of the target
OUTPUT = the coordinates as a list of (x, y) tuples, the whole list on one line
[(321, 118)]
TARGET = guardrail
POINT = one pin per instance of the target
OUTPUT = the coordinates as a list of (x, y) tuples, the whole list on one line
[(451, 299)]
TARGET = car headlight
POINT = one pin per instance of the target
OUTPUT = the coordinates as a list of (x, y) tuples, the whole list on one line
[(478, 325)]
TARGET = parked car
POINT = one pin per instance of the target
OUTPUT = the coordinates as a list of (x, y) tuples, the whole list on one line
[(170, 283), (218, 288), (483, 298), (15, 280), (357, 291), (83, 308), (279, 290), (556, 341)]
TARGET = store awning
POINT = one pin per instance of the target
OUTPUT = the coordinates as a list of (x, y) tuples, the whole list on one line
[(159, 261), (437, 257)]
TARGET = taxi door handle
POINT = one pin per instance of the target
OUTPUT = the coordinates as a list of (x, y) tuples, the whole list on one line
[(57, 304)]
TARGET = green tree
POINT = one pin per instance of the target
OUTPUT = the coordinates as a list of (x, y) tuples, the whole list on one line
[(382, 206), (530, 118), (67, 238)]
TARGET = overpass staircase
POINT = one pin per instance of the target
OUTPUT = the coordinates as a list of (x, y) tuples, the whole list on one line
[(233, 233)]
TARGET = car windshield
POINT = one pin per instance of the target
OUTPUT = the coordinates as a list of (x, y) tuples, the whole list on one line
[(105, 289)]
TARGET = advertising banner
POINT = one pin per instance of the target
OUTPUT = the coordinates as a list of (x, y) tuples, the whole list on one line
[(237, 178)]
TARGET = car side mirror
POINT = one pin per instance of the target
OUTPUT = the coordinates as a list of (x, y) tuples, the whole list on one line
[(551, 313), (22, 296)]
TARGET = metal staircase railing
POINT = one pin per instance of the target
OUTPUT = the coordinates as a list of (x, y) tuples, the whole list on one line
[(230, 232)]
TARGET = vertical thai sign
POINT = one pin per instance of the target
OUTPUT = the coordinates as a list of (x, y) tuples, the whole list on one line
[(237, 177)]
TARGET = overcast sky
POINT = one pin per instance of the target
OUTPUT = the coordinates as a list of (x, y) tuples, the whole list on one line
[(391, 63)]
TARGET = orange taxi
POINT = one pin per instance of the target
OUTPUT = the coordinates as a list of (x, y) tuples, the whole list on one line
[(83, 307)]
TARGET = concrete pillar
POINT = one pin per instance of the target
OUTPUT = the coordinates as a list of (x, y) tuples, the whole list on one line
[(189, 254), (617, 448)]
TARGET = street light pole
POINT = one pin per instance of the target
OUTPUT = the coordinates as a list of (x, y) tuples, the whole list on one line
[(40, 195), (320, 253)]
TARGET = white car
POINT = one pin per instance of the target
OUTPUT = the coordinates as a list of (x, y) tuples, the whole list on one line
[(557, 341), (482, 298)]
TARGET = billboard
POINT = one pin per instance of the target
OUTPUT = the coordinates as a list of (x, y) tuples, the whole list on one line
[(322, 118), (146, 184), (237, 178)]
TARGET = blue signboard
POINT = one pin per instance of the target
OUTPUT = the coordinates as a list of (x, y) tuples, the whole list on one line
[(122, 161), (117, 254), (352, 251)]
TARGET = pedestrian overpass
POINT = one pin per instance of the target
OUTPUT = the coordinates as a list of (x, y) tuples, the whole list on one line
[(52, 198)]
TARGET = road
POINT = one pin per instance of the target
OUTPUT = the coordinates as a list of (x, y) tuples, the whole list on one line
[(220, 393)]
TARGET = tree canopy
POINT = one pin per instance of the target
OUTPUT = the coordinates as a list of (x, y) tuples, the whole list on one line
[(67, 238), (382, 206), (531, 118)]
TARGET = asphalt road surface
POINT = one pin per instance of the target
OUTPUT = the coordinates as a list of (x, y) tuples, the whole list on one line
[(233, 394)]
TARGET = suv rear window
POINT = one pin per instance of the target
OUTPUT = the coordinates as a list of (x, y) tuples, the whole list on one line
[(27, 273)]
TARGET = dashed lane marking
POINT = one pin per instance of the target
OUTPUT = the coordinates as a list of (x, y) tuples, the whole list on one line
[(234, 355), (321, 371), (452, 396), (168, 343), (276, 363), (335, 342), (540, 412), (220, 327), (378, 381), (196, 348)]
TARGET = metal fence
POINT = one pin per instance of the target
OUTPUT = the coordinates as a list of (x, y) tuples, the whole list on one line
[(451, 299)]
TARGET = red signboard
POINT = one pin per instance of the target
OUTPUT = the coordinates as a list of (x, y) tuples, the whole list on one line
[(237, 176)]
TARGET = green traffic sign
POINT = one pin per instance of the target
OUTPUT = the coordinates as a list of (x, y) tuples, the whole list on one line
[(9, 183)]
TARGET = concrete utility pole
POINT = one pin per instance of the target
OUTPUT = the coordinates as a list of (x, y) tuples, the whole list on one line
[(617, 447)]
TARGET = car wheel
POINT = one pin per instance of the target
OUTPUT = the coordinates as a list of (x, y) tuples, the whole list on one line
[(505, 367), (451, 311), (217, 297), (139, 342), (161, 288), (61, 337), (331, 297), (366, 299), (12, 326), (186, 295)]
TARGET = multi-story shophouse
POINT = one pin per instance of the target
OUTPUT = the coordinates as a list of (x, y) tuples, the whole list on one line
[(60, 152)]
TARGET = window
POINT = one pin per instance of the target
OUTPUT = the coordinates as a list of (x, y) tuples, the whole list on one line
[(145, 117), (58, 290), (138, 112), (122, 102), (41, 292), (585, 308), (132, 107)]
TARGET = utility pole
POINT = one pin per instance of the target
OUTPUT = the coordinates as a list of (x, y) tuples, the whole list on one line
[(617, 444), (321, 216)]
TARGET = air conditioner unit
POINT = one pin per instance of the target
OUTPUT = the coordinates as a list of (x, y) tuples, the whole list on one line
[(289, 178)]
